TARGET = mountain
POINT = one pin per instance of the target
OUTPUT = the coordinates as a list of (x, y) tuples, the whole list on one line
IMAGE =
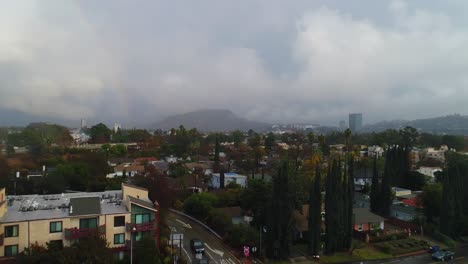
[(211, 120), (451, 124)]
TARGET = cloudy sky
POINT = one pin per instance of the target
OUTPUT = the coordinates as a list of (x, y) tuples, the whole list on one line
[(135, 62)]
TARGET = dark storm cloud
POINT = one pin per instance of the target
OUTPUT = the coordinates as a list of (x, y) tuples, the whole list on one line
[(266, 60)]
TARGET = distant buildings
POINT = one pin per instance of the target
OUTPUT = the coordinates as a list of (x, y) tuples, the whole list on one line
[(83, 124), (228, 178), (355, 122), (117, 127), (342, 125)]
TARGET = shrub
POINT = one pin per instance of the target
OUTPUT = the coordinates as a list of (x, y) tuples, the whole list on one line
[(199, 205), (444, 239)]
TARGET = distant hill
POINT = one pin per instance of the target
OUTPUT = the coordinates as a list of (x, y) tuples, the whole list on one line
[(211, 120), (451, 124)]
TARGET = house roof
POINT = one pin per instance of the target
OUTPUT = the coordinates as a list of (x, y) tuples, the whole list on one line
[(364, 216), (85, 206), (413, 202), (141, 202), (142, 160), (131, 167)]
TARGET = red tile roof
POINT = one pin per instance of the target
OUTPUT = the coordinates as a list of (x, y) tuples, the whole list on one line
[(413, 202)]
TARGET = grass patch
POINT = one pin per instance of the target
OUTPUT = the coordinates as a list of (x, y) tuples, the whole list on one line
[(370, 253), (403, 246)]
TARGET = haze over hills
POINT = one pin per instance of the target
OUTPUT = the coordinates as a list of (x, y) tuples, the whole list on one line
[(451, 124), (211, 120)]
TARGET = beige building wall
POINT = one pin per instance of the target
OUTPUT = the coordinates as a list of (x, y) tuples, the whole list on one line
[(3, 204), (111, 230), (21, 240)]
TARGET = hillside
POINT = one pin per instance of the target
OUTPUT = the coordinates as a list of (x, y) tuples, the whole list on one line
[(210, 120), (451, 124)]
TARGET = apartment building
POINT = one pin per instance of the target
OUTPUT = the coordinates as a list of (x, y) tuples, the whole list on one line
[(64, 218)]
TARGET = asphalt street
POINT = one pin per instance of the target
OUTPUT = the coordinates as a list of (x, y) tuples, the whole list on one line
[(214, 248)]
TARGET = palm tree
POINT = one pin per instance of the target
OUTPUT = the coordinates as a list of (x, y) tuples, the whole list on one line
[(347, 134)]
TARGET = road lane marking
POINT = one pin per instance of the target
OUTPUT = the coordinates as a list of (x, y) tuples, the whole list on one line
[(459, 258), (173, 229), (211, 257), (214, 250), (231, 261), (184, 224), (188, 256)]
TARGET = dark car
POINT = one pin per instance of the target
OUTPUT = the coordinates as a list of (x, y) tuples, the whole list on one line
[(443, 255), (197, 246)]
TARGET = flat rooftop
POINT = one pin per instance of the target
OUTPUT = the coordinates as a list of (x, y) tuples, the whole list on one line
[(40, 207)]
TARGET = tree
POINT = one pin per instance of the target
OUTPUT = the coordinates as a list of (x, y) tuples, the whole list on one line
[(216, 165), (146, 251), (315, 214), (255, 198), (375, 189), (386, 196), (347, 134), (199, 205), (279, 220), (100, 133), (409, 136), (431, 200), (221, 179)]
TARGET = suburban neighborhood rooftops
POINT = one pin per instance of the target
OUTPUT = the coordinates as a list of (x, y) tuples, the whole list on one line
[(52, 206), (364, 216)]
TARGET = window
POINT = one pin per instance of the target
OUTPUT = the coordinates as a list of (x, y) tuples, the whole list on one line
[(138, 236), (56, 227), (360, 227), (88, 223), (11, 250), (142, 218), (119, 238), (11, 231), (119, 221)]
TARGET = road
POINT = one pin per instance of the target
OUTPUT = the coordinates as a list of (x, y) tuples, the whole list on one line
[(214, 248), (461, 257)]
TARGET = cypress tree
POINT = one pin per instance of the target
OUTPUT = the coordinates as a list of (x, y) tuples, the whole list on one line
[(349, 204), (331, 210), (216, 157), (375, 189), (315, 210), (221, 178), (386, 198)]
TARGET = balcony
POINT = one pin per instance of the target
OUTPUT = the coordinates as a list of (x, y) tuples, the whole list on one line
[(149, 226), (75, 233)]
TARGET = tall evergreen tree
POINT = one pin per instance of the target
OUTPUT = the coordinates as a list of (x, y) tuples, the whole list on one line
[(279, 221), (315, 210), (221, 178), (375, 189), (331, 210), (386, 197), (216, 157), (349, 204)]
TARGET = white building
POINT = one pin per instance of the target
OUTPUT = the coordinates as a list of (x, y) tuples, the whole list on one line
[(228, 178), (429, 171), (435, 154), (375, 151)]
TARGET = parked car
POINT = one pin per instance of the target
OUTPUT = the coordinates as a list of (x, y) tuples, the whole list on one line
[(433, 249), (443, 255), (197, 246)]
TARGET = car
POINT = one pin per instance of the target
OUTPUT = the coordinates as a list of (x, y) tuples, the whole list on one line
[(433, 249), (197, 246), (443, 255)]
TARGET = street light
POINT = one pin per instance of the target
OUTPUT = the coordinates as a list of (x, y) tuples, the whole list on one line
[(131, 244)]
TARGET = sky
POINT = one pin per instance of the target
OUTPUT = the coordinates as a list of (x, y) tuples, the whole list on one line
[(136, 62)]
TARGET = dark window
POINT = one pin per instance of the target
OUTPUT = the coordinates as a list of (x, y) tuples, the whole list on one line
[(56, 227), (119, 221), (88, 223), (119, 238), (11, 250), (11, 231)]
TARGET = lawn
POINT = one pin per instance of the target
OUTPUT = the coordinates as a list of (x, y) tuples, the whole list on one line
[(402, 246)]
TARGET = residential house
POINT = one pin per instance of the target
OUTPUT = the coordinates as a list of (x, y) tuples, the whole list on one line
[(400, 191), (228, 178), (129, 170), (365, 220), (375, 151), (63, 219), (429, 171)]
